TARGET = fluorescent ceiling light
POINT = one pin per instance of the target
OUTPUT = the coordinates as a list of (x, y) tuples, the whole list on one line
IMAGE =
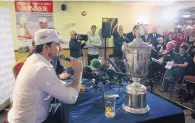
[(186, 16)]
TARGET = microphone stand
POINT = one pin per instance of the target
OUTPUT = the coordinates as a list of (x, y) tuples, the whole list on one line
[(105, 49), (123, 75), (115, 67)]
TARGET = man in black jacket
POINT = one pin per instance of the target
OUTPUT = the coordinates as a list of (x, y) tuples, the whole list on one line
[(119, 39), (131, 35), (145, 36), (153, 37), (75, 46)]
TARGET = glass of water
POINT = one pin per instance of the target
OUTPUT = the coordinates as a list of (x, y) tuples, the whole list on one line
[(109, 106), (110, 96)]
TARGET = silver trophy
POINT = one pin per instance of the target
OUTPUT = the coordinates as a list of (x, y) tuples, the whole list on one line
[(137, 56)]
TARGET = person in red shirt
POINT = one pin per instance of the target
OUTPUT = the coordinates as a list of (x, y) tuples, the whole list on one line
[(180, 39)]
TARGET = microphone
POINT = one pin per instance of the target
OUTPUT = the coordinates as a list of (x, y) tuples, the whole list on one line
[(63, 57), (96, 63), (111, 72)]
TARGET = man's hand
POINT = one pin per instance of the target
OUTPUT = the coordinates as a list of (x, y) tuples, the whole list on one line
[(193, 50), (77, 65), (174, 65), (124, 46), (64, 75)]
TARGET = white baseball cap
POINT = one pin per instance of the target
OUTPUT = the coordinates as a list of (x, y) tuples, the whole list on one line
[(48, 35), (42, 19)]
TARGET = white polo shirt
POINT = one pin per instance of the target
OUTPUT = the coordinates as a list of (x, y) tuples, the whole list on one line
[(35, 83), (93, 50)]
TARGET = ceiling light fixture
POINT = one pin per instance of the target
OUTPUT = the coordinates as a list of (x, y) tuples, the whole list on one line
[(186, 16)]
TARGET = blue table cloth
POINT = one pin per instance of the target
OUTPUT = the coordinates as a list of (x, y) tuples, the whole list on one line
[(89, 108)]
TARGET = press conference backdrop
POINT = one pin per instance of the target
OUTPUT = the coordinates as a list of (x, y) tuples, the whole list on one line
[(7, 58)]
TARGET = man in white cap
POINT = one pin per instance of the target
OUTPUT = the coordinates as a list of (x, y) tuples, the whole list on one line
[(37, 81), (43, 23)]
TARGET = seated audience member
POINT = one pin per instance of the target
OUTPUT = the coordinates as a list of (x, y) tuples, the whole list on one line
[(37, 82), (161, 45), (159, 49), (190, 93), (170, 47), (181, 61), (158, 54), (174, 36), (170, 34), (191, 44), (186, 34), (192, 50), (180, 40)]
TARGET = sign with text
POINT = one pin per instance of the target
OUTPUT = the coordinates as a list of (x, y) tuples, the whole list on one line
[(30, 17)]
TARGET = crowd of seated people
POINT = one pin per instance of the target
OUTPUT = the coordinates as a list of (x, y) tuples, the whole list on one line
[(176, 47)]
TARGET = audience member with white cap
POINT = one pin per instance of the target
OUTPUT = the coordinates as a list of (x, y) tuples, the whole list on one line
[(37, 82)]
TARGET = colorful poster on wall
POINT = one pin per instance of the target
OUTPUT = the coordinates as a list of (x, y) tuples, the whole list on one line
[(30, 17), (114, 26)]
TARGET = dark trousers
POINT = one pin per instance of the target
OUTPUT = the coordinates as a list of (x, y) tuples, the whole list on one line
[(91, 57), (49, 121), (169, 76), (55, 112), (154, 68)]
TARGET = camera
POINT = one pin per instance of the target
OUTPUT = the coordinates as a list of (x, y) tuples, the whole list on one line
[(82, 37)]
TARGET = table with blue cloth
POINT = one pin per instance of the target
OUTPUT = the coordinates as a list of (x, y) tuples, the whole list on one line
[(89, 108)]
